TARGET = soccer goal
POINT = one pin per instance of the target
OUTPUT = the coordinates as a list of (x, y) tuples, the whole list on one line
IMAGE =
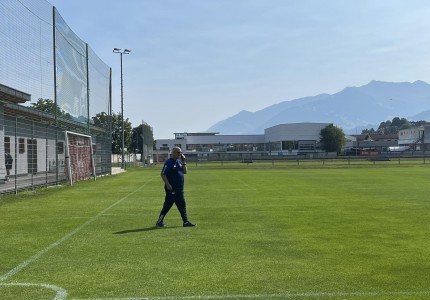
[(79, 157)]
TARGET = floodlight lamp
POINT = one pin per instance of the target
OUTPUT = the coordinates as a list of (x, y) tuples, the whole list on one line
[(116, 50), (127, 51)]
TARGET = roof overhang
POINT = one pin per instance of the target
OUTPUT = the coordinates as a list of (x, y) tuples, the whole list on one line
[(10, 95)]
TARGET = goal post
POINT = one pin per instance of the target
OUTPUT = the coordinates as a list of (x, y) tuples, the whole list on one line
[(79, 157)]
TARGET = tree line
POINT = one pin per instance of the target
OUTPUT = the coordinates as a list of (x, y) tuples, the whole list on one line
[(136, 139), (333, 138), (393, 126)]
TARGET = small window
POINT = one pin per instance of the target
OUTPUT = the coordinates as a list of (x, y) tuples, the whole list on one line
[(21, 145), (60, 147), (7, 144)]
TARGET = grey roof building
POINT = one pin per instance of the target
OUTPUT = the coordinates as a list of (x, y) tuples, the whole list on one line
[(282, 139)]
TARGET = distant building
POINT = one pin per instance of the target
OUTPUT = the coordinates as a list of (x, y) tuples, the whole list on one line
[(417, 138), (414, 139), (283, 139), (376, 141)]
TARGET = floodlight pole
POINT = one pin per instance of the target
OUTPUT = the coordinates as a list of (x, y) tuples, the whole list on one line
[(141, 157), (125, 51)]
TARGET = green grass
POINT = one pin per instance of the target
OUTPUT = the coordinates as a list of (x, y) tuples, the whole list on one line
[(292, 161), (303, 232)]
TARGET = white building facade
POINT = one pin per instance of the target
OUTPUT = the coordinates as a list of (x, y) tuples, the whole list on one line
[(417, 138), (283, 139)]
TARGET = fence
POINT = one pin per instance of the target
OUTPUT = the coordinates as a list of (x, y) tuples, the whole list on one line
[(131, 160), (303, 162), (41, 58)]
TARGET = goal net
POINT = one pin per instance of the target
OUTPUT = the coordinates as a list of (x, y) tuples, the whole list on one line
[(79, 157)]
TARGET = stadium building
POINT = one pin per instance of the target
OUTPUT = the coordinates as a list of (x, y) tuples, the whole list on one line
[(279, 140)]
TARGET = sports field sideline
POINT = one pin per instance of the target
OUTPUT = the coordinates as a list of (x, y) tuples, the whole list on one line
[(262, 233)]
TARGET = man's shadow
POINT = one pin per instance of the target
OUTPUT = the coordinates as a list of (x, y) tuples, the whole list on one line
[(144, 229)]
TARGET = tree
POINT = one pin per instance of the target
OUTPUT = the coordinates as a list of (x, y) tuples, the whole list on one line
[(101, 120), (396, 122), (332, 138), (117, 134), (393, 126), (143, 133), (417, 123), (368, 131), (49, 106)]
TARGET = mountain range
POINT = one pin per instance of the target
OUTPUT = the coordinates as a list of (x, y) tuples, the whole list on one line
[(351, 109)]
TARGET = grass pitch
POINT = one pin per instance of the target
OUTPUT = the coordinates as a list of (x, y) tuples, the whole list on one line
[(262, 233)]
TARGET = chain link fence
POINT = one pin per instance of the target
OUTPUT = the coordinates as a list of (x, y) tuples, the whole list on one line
[(41, 58)]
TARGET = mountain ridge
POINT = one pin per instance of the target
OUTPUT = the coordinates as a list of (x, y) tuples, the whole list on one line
[(350, 108)]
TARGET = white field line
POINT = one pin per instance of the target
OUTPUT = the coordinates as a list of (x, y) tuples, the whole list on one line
[(61, 293), (271, 296), (64, 238), (216, 190)]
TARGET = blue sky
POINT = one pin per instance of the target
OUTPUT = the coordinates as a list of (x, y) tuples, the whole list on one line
[(196, 62)]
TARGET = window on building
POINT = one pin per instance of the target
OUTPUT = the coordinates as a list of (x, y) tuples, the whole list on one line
[(7, 144), (307, 145), (191, 147), (60, 147), (164, 147), (21, 145), (290, 145)]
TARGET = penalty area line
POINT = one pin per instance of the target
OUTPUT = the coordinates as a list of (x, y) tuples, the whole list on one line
[(66, 237), (272, 296), (61, 293)]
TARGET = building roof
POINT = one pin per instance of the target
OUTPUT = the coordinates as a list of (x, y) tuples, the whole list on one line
[(195, 133), (376, 136), (11, 95), (43, 117)]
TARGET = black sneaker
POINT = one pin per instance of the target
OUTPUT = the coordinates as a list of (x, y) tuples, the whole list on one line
[(160, 225), (189, 224)]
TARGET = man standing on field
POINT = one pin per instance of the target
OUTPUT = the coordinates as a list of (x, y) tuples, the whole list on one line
[(173, 176)]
